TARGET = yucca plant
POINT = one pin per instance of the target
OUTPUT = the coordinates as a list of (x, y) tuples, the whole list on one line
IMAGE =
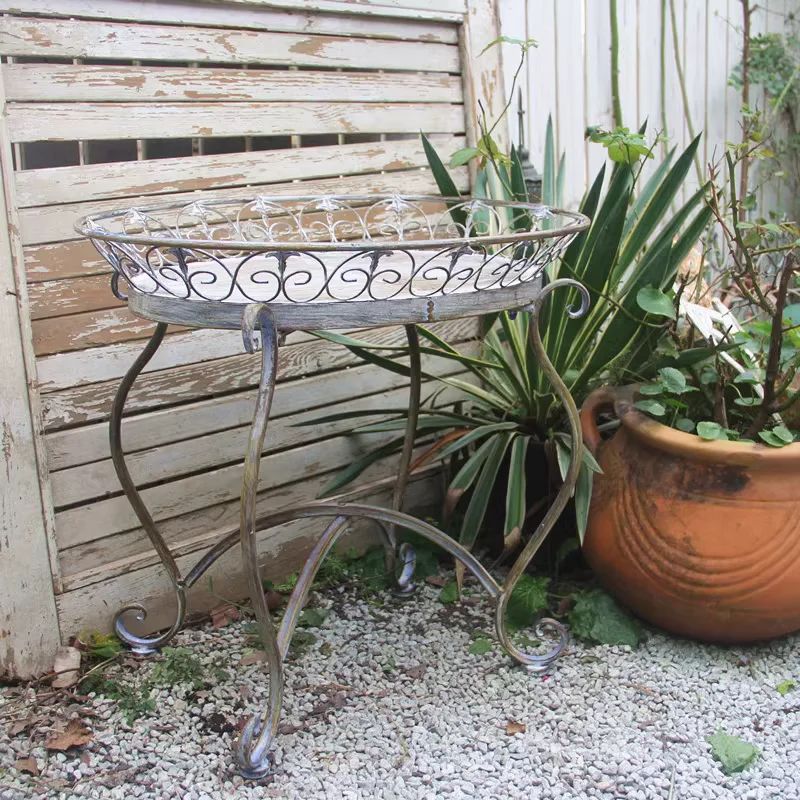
[(627, 259)]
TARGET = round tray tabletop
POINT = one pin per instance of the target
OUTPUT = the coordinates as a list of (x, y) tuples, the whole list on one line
[(332, 261)]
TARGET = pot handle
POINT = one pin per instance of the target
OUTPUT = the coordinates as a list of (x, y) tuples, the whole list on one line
[(598, 399)]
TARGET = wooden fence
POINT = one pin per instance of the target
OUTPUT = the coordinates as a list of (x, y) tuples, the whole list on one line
[(117, 103), (569, 75)]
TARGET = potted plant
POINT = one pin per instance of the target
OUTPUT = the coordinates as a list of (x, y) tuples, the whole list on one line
[(695, 521), (626, 259)]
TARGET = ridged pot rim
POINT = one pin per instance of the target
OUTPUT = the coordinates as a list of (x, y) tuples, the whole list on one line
[(687, 445)]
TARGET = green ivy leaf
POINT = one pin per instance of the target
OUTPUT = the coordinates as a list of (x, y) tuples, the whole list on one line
[(684, 424), (527, 600), (312, 617), (673, 380), (711, 431), (651, 389), (786, 687), (733, 753), (597, 618), (782, 432), (449, 593), (480, 647), (747, 401), (774, 438), (652, 300), (652, 407)]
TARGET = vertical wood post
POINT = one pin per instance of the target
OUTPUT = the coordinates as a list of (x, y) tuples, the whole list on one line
[(482, 72), (29, 632)]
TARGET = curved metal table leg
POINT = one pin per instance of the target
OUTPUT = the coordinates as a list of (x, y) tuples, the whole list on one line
[(142, 644), (252, 749), (541, 663), (404, 583)]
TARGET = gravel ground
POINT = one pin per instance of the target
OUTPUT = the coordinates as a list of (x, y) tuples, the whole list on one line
[(388, 703)]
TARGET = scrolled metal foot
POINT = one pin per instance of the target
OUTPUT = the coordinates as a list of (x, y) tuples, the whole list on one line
[(404, 585), (252, 760), (147, 645)]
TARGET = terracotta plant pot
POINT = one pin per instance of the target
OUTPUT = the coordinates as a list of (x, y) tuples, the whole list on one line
[(700, 538)]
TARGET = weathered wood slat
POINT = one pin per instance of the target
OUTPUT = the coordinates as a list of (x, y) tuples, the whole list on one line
[(63, 260), (169, 175), (335, 17), (56, 223), (91, 481), (83, 404), (58, 298), (88, 83), (32, 122), (67, 370), (48, 38), (121, 553), (89, 329), (93, 606), (107, 517), (76, 446), (372, 20)]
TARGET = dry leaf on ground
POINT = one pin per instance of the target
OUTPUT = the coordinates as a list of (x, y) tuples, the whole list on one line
[(515, 727), (255, 657), (67, 665), (74, 735), (416, 672), (436, 580), (22, 725), (222, 614), (28, 765)]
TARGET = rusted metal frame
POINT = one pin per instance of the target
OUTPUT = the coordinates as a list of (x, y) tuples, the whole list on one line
[(143, 644), (540, 663)]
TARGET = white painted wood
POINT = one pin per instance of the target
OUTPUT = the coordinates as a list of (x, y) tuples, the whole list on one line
[(709, 46), (541, 66), (629, 63), (66, 83), (69, 370), (295, 17), (483, 71), (30, 122), (104, 559), (569, 98), (597, 74), (29, 632), (512, 18), (81, 446), (88, 403), (106, 517), (56, 223), (47, 38), (138, 179)]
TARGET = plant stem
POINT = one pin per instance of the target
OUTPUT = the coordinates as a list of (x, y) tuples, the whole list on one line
[(745, 173), (682, 82), (663, 54), (612, 7), (769, 405)]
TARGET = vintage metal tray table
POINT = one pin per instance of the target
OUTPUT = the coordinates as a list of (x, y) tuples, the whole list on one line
[(268, 266)]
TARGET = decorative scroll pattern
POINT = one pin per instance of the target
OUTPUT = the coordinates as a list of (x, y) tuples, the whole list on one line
[(329, 249)]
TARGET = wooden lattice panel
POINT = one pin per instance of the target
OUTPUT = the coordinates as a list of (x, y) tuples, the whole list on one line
[(119, 103)]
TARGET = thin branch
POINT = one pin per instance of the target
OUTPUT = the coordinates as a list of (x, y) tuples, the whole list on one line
[(769, 404), (615, 97)]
